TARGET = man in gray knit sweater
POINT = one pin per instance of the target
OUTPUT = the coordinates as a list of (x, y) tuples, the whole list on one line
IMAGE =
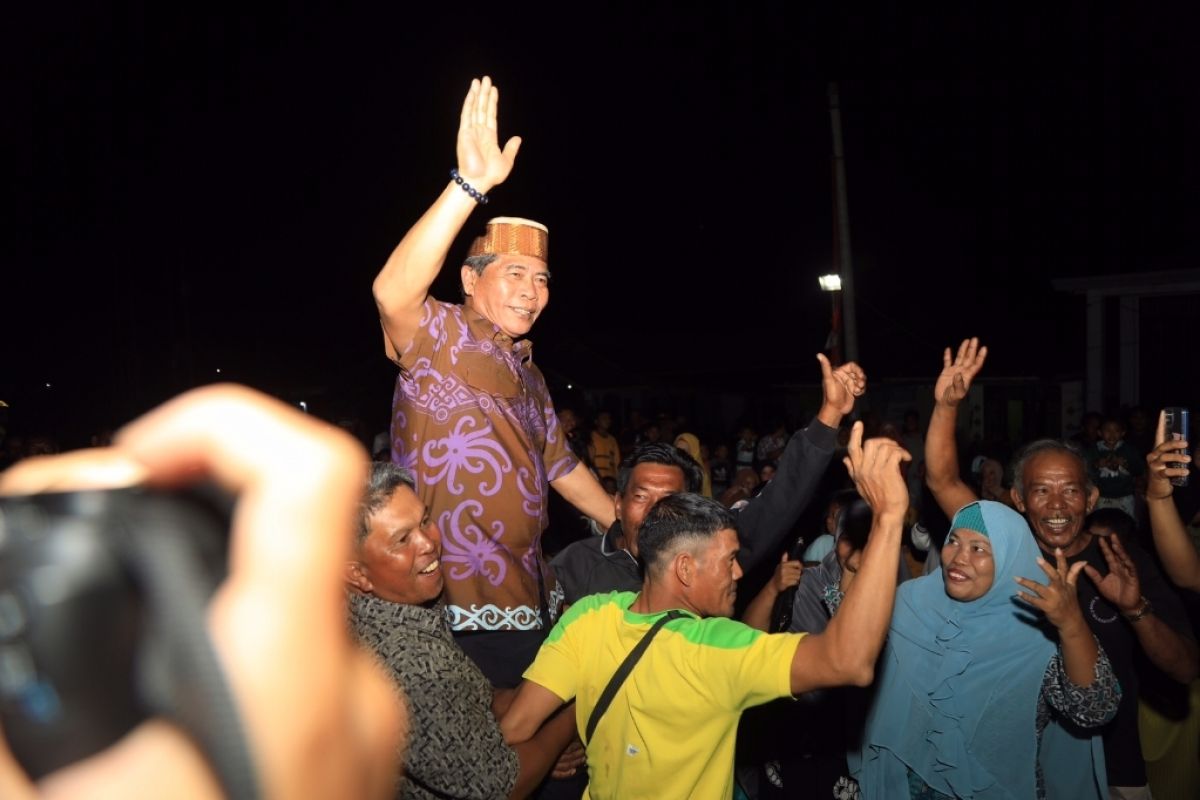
[(395, 581)]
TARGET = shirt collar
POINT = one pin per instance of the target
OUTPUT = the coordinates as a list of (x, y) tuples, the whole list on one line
[(374, 610), (608, 543), (484, 329)]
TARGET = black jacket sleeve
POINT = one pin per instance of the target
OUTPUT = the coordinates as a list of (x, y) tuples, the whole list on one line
[(766, 521)]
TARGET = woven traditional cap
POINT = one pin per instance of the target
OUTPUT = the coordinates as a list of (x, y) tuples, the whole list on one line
[(513, 236)]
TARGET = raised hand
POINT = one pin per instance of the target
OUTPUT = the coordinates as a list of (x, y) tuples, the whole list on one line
[(278, 622), (841, 386), (875, 470), (787, 574), (1168, 459), (1059, 599), (1120, 586), (481, 162), (957, 373)]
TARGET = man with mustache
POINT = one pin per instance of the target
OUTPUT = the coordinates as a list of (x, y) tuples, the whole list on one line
[(471, 416)]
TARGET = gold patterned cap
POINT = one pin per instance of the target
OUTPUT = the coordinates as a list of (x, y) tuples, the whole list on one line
[(513, 236)]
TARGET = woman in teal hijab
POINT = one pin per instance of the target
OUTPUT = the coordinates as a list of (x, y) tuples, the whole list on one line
[(981, 694)]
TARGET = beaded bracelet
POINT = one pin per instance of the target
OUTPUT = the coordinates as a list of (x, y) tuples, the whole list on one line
[(476, 195)]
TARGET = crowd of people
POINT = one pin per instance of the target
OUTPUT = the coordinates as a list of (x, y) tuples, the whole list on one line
[(433, 625)]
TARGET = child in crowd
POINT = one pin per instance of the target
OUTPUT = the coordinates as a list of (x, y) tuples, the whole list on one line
[(1115, 467)]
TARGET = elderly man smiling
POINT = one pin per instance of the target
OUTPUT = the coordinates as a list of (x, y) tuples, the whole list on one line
[(1126, 602), (395, 579)]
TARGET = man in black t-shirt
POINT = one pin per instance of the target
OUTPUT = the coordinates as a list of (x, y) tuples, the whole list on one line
[(1126, 602)]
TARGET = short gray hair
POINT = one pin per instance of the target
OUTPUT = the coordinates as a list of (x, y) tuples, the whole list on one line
[(1048, 446), (384, 480), (479, 262)]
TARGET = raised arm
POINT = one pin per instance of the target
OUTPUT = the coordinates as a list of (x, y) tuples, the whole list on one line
[(1179, 557), (1171, 651), (401, 286), (941, 452), (768, 519), (846, 652)]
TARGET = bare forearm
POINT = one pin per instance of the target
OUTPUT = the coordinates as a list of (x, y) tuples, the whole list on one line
[(532, 705), (539, 754), (1079, 652), (941, 461), (580, 488), (830, 415), (858, 629), (1171, 652), (758, 614), (401, 286), (1175, 548)]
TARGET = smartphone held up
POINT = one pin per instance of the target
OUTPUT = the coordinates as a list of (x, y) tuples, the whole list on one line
[(1178, 422)]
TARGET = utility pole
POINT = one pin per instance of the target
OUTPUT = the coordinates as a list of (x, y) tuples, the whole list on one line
[(842, 258)]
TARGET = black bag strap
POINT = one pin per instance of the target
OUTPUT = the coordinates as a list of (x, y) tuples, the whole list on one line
[(623, 671)]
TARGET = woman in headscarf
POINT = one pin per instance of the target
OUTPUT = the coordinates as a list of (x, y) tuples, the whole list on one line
[(690, 444), (978, 695)]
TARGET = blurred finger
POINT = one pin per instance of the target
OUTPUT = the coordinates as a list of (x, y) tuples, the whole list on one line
[(299, 480), (1060, 560), (1160, 433), (1073, 572), (101, 468), (493, 104), (1036, 602), (855, 447), (962, 351), (477, 108), (1050, 571), (1031, 585), (468, 108), (1119, 549), (1107, 552), (980, 357), (826, 367)]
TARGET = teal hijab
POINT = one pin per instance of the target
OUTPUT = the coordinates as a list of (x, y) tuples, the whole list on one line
[(958, 685)]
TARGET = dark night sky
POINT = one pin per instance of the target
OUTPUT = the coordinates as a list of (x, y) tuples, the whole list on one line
[(209, 189)]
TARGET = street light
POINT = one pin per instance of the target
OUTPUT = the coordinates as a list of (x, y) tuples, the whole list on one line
[(833, 284)]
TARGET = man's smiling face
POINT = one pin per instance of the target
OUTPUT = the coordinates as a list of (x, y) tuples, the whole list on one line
[(1056, 500), (510, 292)]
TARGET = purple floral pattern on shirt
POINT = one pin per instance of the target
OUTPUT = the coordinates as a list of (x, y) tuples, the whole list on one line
[(467, 548), (472, 451), (474, 421)]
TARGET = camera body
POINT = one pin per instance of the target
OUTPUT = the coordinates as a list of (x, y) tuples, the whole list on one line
[(102, 598)]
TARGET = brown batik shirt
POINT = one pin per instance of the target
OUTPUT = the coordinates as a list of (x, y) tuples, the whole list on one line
[(474, 423)]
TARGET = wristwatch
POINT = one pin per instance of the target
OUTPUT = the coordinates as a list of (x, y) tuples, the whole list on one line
[(1145, 609)]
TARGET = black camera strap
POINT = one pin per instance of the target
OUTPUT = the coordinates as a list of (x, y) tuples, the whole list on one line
[(623, 671), (179, 674)]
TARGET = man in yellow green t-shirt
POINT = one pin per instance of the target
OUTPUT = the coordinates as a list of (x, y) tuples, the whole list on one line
[(670, 729)]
